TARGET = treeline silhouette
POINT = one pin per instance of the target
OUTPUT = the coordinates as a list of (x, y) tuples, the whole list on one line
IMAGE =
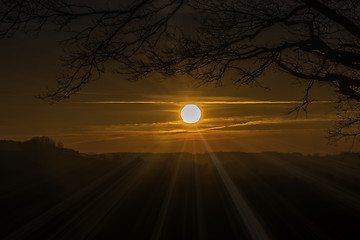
[(35, 143)]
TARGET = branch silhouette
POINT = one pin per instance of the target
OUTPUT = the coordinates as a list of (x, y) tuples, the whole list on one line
[(98, 35), (316, 41)]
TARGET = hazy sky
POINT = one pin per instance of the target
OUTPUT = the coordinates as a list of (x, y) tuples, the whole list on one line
[(113, 115)]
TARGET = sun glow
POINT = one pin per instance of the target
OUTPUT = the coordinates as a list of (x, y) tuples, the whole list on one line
[(190, 113)]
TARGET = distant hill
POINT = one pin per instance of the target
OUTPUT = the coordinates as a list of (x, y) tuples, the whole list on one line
[(35, 144), (8, 145)]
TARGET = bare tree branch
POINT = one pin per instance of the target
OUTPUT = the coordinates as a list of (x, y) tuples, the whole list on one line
[(316, 41)]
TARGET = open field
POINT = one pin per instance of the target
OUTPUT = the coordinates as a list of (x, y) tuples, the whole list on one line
[(62, 194)]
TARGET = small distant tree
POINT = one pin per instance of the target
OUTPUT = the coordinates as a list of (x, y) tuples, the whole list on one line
[(60, 145)]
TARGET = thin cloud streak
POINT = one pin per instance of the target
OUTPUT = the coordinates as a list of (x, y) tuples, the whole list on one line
[(130, 102), (204, 102), (178, 127)]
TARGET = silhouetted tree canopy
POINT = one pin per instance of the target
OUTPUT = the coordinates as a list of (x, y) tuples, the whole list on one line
[(41, 141), (60, 145), (313, 40)]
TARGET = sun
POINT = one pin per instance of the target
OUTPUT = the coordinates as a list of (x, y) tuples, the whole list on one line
[(190, 113)]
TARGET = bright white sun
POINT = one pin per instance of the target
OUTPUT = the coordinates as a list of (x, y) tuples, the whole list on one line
[(190, 113)]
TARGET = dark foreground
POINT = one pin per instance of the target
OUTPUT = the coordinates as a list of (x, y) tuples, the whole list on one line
[(61, 194)]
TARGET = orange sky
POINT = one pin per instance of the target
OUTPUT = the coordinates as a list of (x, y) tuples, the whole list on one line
[(114, 115)]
